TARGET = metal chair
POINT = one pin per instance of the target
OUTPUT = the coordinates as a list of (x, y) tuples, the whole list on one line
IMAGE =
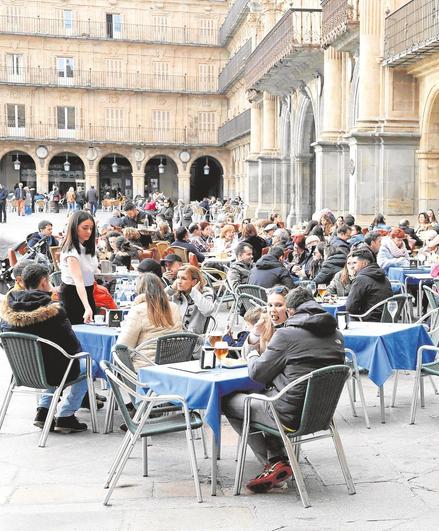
[(432, 297), (422, 369), (324, 387), (351, 362), (24, 353), (403, 311), (245, 294), (143, 426)]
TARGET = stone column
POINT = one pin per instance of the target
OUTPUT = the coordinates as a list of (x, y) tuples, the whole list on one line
[(138, 183), (184, 186), (91, 179), (332, 93), (255, 138), (269, 124), (42, 180), (371, 32)]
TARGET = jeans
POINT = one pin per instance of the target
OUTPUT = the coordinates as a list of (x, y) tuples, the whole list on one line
[(2, 211), (71, 207), (93, 207), (76, 392)]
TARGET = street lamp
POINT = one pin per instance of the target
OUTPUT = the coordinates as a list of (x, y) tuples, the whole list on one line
[(114, 166), (161, 166), (67, 164), (206, 168), (17, 163)]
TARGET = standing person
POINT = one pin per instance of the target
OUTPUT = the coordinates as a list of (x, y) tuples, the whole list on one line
[(27, 201), (80, 198), (78, 264), (183, 214), (71, 199), (92, 199), (166, 213), (3, 197), (20, 196)]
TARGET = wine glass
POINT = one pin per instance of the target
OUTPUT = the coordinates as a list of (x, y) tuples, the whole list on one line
[(392, 308), (312, 286)]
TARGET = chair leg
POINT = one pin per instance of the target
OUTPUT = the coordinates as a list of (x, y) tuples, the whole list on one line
[(436, 392), (395, 387), (241, 461), (362, 400), (108, 427), (193, 461), (414, 398), (237, 449), (203, 441), (49, 418), (421, 388), (342, 459), (145, 456), (298, 476), (381, 392), (6, 401), (354, 391), (351, 399), (118, 472), (117, 458), (92, 398)]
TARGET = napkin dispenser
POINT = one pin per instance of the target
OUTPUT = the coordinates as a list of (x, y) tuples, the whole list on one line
[(115, 317), (207, 359), (414, 264), (343, 320)]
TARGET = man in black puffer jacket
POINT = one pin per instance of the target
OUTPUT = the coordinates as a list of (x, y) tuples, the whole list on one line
[(335, 259), (269, 270), (31, 311), (309, 340), (370, 286)]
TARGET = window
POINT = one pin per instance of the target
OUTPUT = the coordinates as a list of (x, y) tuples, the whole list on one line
[(68, 19), (14, 64), (65, 117), (161, 73), (64, 66), (206, 73), (207, 31), (114, 26), (160, 27), (206, 121), (114, 68), (161, 119), (114, 118), (12, 16), (16, 115)]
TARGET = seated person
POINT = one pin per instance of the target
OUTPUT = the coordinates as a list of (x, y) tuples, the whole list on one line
[(194, 299), (370, 286), (125, 252), (250, 236), (239, 271), (133, 217), (31, 311), (17, 273), (340, 240), (182, 240), (149, 265), (357, 235), (270, 271), (393, 252), (172, 264), (163, 233), (334, 259), (195, 238), (151, 316), (45, 229), (341, 283), (134, 236), (308, 341)]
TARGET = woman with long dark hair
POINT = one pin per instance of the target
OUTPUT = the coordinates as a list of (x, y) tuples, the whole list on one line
[(78, 263)]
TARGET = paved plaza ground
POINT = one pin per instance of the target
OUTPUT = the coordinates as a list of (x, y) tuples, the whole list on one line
[(395, 468)]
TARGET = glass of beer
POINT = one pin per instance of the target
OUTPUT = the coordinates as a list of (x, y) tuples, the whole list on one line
[(221, 349), (321, 288), (214, 337)]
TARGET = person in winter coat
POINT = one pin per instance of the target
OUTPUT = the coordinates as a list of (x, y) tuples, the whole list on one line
[(166, 213), (45, 229), (194, 299), (151, 316), (133, 217), (182, 240), (269, 270), (183, 214), (239, 271), (370, 286), (341, 283), (334, 261), (31, 311), (308, 341), (250, 236), (393, 252), (341, 239), (3, 198)]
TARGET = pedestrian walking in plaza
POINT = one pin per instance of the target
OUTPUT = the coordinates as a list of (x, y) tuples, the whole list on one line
[(20, 196), (80, 198), (71, 200), (3, 197), (92, 199)]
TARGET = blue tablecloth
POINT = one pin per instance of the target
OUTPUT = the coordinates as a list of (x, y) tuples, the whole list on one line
[(339, 306), (383, 347), (400, 273), (98, 341), (201, 390)]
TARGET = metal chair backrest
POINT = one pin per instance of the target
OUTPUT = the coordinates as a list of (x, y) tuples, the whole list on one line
[(431, 319), (249, 302), (210, 324), (122, 359), (432, 297), (25, 358), (253, 290), (175, 348), (402, 300), (322, 395), (55, 278)]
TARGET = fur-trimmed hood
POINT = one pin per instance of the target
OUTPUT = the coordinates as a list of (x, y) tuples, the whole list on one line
[(27, 308)]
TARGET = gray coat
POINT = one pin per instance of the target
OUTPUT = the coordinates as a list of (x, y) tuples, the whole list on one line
[(238, 274), (202, 309), (310, 340)]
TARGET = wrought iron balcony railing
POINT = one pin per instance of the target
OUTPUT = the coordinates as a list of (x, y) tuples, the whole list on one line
[(103, 134), (235, 128), (233, 18), (92, 79), (235, 67), (411, 32), (89, 29), (339, 17), (298, 28)]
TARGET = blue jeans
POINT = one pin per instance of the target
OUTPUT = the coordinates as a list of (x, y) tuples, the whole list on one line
[(93, 207), (76, 393), (71, 207)]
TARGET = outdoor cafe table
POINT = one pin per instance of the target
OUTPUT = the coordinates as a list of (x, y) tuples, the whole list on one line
[(382, 348), (201, 389), (98, 341), (334, 307), (401, 273)]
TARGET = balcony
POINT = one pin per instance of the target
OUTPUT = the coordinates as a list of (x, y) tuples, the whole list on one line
[(411, 32), (97, 134), (92, 79), (235, 128), (340, 24), (288, 55), (233, 19), (235, 67), (89, 29)]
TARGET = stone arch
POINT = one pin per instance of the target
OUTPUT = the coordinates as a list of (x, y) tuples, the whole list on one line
[(25, 174), (166, 182), (110, 182), (206, 185), (63, 178)]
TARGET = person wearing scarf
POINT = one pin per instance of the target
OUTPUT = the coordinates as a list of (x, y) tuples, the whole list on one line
[(393, 252)]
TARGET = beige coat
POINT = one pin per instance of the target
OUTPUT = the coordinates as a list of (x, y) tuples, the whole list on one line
[(137, 328)]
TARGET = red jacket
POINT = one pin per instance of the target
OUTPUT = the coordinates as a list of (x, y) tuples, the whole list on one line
[(103, 297)]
